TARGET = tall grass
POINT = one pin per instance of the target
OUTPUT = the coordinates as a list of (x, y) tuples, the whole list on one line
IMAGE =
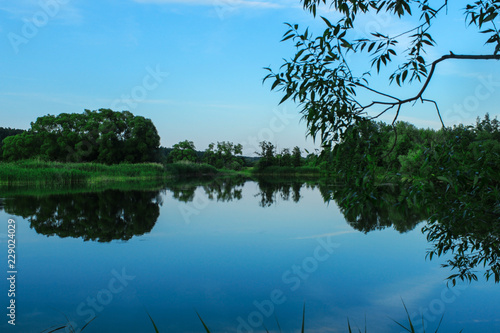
[(41, 173), (38, 173), (189, 169), (410, 328)]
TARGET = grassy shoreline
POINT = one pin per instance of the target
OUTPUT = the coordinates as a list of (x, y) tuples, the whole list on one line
[(36, 173), (290, 172), (39, 173)]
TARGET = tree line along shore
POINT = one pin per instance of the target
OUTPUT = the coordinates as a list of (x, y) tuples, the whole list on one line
[(110, 146)]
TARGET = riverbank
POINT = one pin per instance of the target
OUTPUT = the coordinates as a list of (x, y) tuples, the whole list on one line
[(40, 173), (289, 172), (36, 173)]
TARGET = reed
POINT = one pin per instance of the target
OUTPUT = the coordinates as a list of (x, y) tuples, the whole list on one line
[(410, 328), (42, 173)]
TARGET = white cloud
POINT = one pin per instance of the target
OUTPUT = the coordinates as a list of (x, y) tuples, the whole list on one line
[(329, 234), (65, 13), (245, 3), (217, 3)]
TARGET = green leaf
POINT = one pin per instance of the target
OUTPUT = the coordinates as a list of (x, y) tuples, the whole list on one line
[(327, 22), (405, 74), (275, 83), (444, 179), (372, 45)]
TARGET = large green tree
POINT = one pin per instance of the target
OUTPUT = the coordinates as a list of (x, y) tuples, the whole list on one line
[(104, 136), (6, 132), (224, 155), (321, 77), (267, 155), (183, 151)]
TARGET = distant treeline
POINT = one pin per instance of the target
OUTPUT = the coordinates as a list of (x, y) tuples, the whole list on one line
[(5, 132), (111, 137), (228, 155), (400, 151)]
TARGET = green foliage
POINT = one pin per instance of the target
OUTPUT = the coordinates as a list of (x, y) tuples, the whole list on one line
[(266, 154), (412, 153), (190, 169), (5, 132), (93, 216), (285, 158), (183, 151), (224, 155), (285, 163), (102, 136), (296, 157), (36, 172), (322, 80), (450, 177)]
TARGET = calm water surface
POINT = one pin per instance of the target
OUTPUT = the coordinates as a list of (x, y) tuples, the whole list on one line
[(239, 255)]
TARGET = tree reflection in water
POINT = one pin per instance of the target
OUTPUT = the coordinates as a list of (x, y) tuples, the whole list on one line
[(100, 216), (459, 222)]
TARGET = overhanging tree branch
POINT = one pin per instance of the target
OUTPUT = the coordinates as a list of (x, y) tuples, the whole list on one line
[(419, 96), (320, 78)]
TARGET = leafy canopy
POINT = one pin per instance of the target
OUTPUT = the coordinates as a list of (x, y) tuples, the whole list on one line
[(320, 77), (103, 136), (183, 151)]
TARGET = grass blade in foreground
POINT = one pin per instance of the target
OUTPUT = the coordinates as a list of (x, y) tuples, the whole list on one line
[(55, 329), (303, 317), (152, 321), (87, 324), (206, 328)]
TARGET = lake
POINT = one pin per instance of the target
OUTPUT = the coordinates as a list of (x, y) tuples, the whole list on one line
[(244, 255)]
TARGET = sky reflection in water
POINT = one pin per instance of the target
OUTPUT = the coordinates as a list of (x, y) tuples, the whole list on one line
[(237, 262)]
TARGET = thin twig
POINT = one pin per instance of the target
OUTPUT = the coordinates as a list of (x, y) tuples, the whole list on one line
[(437, 109), (418, 96)]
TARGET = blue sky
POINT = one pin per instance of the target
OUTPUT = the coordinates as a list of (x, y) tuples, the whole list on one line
[(195, 67)]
